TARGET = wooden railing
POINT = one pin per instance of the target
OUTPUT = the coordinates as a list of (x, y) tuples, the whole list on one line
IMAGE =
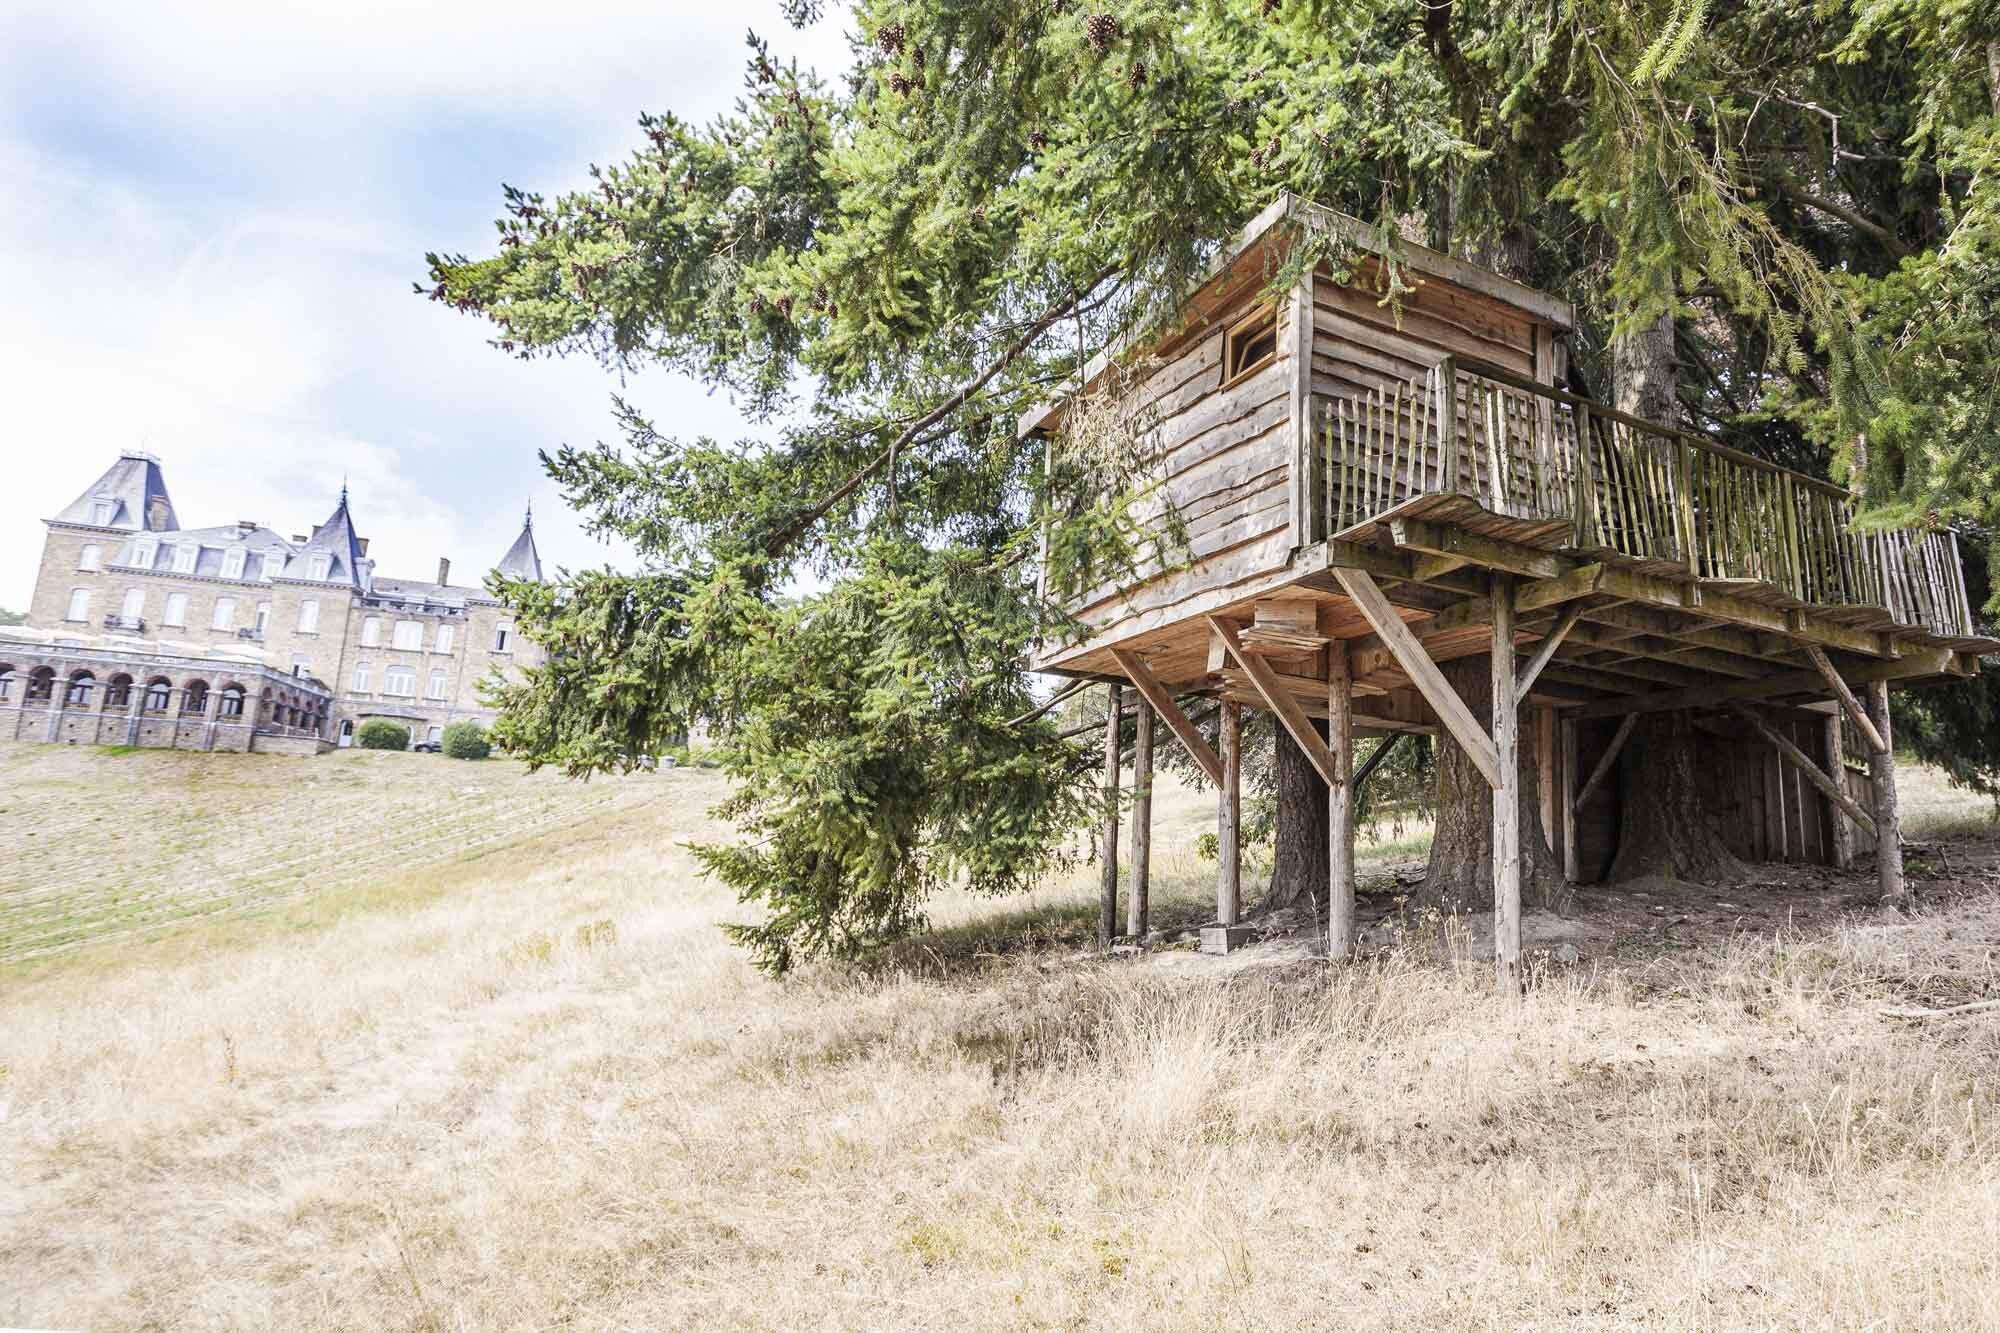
[(1629, 487)]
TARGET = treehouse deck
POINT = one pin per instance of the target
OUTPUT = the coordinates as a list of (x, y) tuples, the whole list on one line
[(1362, 492)]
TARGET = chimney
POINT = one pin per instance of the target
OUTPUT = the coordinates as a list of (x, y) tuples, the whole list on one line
[(298, 540), (157, 516), (444, 571), (246, 525)]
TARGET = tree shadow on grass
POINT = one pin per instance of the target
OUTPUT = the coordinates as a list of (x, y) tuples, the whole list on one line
[(1010, 933)]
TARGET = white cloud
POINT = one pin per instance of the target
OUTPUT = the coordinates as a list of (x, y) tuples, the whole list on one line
[(212, 216)]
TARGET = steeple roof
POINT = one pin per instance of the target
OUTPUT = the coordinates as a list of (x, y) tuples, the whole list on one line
[(336, 540), (523, 562), (132, 494)]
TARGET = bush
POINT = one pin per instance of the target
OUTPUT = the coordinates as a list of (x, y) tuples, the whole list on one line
[(466, 740), (379, 734)]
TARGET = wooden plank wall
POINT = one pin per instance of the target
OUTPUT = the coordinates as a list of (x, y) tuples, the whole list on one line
[(1222, 459), (1764, 808)]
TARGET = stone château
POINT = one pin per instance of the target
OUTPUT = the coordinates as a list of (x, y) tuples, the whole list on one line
[(238, 637)]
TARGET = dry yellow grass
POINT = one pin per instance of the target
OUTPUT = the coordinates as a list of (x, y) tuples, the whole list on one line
[(456, 1099)]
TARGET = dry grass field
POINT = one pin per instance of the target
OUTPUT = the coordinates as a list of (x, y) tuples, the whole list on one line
[(531, 1086)]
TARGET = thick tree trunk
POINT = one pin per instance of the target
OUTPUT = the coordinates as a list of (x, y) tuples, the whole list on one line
[(1300, 865), (1642, 364), (1665, 833), (1460, 878)]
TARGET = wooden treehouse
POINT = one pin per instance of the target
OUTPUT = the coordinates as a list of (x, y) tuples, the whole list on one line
[(1365, 492)]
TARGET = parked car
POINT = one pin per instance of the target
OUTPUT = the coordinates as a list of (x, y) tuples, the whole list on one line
[(428, 747)]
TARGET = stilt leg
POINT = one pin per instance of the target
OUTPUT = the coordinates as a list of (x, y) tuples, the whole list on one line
[(1229, 880), (1506, 795), (1340, 804), (1138, 905), (1107, 914), (1888, 823), (1836, 818), (1568, 803)]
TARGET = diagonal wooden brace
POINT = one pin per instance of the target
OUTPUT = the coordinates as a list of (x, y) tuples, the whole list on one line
[(1277, 698), (1603, 769), (1848, 703), (1163, 703), (1542, 655), (1381, 615), (1813, 774)]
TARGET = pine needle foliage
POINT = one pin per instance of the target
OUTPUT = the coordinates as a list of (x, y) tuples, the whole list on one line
[(888, 267)]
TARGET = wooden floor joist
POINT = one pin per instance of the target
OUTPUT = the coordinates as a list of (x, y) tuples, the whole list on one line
[(1277, 698), (1913, 662)]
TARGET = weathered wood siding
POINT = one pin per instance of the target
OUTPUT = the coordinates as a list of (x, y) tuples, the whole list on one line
[(1220, 457)]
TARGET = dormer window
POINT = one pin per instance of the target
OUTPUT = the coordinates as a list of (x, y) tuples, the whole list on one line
[(232, 562), (274, 563), (101, 512), (184, 558), (319, 567), (143, 554), (1251, 343)]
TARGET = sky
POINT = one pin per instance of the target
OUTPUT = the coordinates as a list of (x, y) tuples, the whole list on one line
[(211, 215)]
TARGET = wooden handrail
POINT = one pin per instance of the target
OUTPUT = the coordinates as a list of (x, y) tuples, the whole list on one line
[(1500, 375)]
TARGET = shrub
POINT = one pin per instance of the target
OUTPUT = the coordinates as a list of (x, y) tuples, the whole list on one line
[(380, 734), (466, 740)]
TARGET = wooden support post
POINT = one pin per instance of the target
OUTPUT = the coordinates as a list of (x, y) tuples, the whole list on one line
[(1506, 795), (1571, 870), (1610, 757), (1836, 818), (1340, 805), (1138, 904), (1107, 902), (1229, 817), (1799, 760), (1888, 823)]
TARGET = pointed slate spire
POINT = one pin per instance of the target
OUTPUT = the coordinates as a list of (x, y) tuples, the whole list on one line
[(131, 494), (336, 540), (522, 561)]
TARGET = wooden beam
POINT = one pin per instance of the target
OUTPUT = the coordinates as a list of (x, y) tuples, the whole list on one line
[(1605, 761), (1852, 706), (1423, 672), (1506, 795), (1571, 871), (1804, 764), (1163, 703), (1546, 651), (1914, 662), (1229, 817), (1138, 904), (1107, 893), (1321, 560), (1582, 581), (1340, 806), (1888, 820), (1277, 698), (1444, 539)]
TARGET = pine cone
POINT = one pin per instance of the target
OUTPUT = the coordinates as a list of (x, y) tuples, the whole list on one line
[(1270, 7), (917, 58), (899, 83), (1037, 141), (1056, 7), (1100, 30), (890, 39), (1136, 76)]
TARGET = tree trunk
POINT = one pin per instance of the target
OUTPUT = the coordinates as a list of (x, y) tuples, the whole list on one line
[(1664, 832), (1300, 864), (1643, 372), (1460, 877)]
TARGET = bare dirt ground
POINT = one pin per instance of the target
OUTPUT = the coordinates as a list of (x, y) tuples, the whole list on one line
[(537, 1088)]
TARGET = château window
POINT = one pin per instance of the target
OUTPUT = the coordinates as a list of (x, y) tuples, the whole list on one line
[(503, 637), (184, 558), (135, 604), (90, 557), (400, 681), (309, 617), (274, 564), (143, 554), (319, 567), (232, 701), (225, 614), (361, 673), (79, 604), (409, 635), (442, 643), (177, 610), (232, 562), (79, 688), (371, 632), (263, 617), (101, 511), (157, 691), (1251, 343), (436, 690)]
